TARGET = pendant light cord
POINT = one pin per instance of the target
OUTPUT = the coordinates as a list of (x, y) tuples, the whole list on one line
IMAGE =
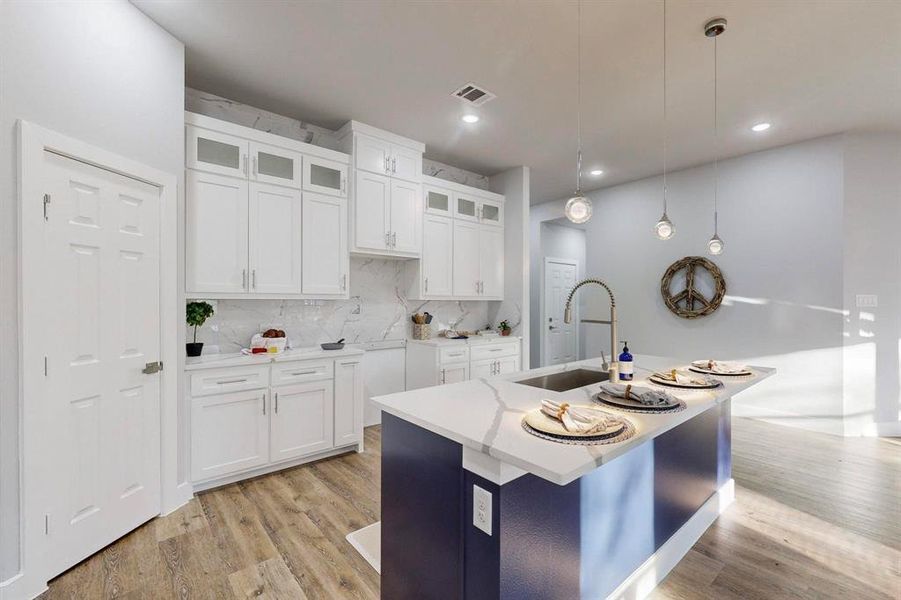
[(664, 107), (579, 101), (716, 140)]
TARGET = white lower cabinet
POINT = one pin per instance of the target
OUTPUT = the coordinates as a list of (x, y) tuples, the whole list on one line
[(482, 368), (454, 373), (301, 420), (229, 433), (435, 363), (317, 408)]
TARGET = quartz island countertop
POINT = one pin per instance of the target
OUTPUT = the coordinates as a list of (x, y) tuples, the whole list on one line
[(485, 415)]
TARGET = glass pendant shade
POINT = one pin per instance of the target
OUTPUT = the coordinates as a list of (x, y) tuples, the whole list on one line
[(715, 245), (578, 209), (664, 228)]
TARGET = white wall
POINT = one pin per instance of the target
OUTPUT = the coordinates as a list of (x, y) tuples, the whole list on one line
[(781, 219), (101, 72)]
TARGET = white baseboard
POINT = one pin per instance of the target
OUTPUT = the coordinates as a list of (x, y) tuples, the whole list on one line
[(884, 429), (648, 576)]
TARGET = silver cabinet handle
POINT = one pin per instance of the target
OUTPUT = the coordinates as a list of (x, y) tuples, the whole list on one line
[(387, 239), (227, 381), (344, 282), (276, 402), (309, 372), (477, 287), (264, 404), (394, 165), (343, 184), (253, 275), (443, 375), (244, 168), (387, 164), (394, 239), (495, 349), (426, 283), (254, 166), (243, 279)]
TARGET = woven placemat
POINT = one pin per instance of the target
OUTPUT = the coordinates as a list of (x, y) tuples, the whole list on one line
[(627, 432), (750, 375), (678, 408)]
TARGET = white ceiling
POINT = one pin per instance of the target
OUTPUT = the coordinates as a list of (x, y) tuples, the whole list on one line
[(810, 67)]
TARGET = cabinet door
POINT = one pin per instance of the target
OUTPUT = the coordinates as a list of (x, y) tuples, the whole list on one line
[(406, 216), (325, 260), (275, 239), (215, 233), (215, 152), (371, 195), (324, 176), (507, 365), (271, 164), (348, 401), (483, 368), (466, 259), (371, 154), (301, 420), (437, 256), (491, 261), (454, 373), (466, 208), (491, 213), (438, 201), (229, 433), (406, 164)]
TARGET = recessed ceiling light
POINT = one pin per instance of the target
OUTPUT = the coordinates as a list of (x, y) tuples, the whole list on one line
[(471, 118), (597, 172), (760, 127)]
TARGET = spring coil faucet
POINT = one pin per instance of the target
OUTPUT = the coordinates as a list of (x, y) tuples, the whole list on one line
[(568, 312)]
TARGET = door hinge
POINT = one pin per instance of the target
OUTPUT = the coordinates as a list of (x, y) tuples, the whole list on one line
[(46, 523), (45, 367), (46, 204)]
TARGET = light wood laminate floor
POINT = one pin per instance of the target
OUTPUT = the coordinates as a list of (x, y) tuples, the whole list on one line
[(816, 517)]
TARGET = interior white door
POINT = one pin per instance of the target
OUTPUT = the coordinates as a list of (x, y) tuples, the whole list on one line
[(229, 433), (560, 337), (491, 261), (406, 163), (406, 216), (466, 259), (437, 256), (302, 419), (215, 233), (371, 196), (348, 401), (101, 268), (325, 261), (275, 244)]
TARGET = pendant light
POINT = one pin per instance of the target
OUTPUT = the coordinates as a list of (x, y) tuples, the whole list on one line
[(578, 208), (664, 227), (713, 29)]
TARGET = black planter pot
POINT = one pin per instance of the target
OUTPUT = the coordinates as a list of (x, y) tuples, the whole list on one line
[(193, 348)]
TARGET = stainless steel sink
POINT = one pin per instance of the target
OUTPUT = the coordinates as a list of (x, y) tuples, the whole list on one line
[(566, 380)]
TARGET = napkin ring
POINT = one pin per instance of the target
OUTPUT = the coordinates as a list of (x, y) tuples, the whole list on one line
[(628, 391), (562, 410)]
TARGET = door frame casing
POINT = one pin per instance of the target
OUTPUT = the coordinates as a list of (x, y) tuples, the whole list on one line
[(34, 457), (543, 305)]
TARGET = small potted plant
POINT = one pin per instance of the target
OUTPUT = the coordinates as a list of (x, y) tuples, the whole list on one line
[(504, 328), (197, 313)]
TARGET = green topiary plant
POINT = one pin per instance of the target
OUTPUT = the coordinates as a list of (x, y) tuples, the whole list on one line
[(197, 313)]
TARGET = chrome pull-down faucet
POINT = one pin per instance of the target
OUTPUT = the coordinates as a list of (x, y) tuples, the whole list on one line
[(568, 312)]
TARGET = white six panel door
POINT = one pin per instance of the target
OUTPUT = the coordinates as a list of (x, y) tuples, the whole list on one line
[(559, 279), (215, 233), (325, 263), (371, 197), (102, 274), (275, 244), (302, 420)]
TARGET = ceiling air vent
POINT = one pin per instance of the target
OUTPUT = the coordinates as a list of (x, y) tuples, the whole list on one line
[(473, 94)]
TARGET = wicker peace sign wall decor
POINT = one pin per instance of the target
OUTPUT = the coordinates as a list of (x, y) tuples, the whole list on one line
[(689, 303)]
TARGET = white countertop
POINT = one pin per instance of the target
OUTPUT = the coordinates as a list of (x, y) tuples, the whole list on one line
[(485, 415), (212, 361), (472, 340)]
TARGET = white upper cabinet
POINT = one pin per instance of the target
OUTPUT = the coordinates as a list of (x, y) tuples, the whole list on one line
[(275, 239), (325, 176), (216, 233), (466, 259), (406, 163), (466, 208), (491, 212), (438, 201), (271, 164), (491, 263), (245, 232), (437, 256), (372, 194), (372, 154), (325, 259), (405, 216), (216, 152)]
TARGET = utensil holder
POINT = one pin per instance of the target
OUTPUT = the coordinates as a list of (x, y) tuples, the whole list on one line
[(422, 331)]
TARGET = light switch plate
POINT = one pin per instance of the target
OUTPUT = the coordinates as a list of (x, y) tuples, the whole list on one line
[(481, 509)]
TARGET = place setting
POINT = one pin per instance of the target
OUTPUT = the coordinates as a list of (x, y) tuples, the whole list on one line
[(685, 379), (722, 368), (567, 423), (637, 398)]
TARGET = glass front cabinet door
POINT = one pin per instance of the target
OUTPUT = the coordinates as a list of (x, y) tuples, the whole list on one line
[(437, 201), (215, 152), (324, 176), (271, 164), (491, 213)]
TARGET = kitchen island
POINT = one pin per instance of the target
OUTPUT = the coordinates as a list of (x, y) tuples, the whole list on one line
[(473, 506)]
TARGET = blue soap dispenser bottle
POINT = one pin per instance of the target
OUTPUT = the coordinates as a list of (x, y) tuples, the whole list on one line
[(626, 366)]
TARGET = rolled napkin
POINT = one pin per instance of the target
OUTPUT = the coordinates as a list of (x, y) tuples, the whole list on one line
[(577, 420), (720, 366), (647, 396), (685, 377)]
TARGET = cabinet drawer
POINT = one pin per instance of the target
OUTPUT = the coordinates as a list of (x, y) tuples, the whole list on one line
[(299, 372), (453, 355), (223, 381), (494, 351)]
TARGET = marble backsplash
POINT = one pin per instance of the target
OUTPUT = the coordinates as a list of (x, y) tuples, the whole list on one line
[(218, 107), (377, 310)]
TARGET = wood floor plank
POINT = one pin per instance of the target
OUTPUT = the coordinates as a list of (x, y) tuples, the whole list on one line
[(189, 517), (268, 580)]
